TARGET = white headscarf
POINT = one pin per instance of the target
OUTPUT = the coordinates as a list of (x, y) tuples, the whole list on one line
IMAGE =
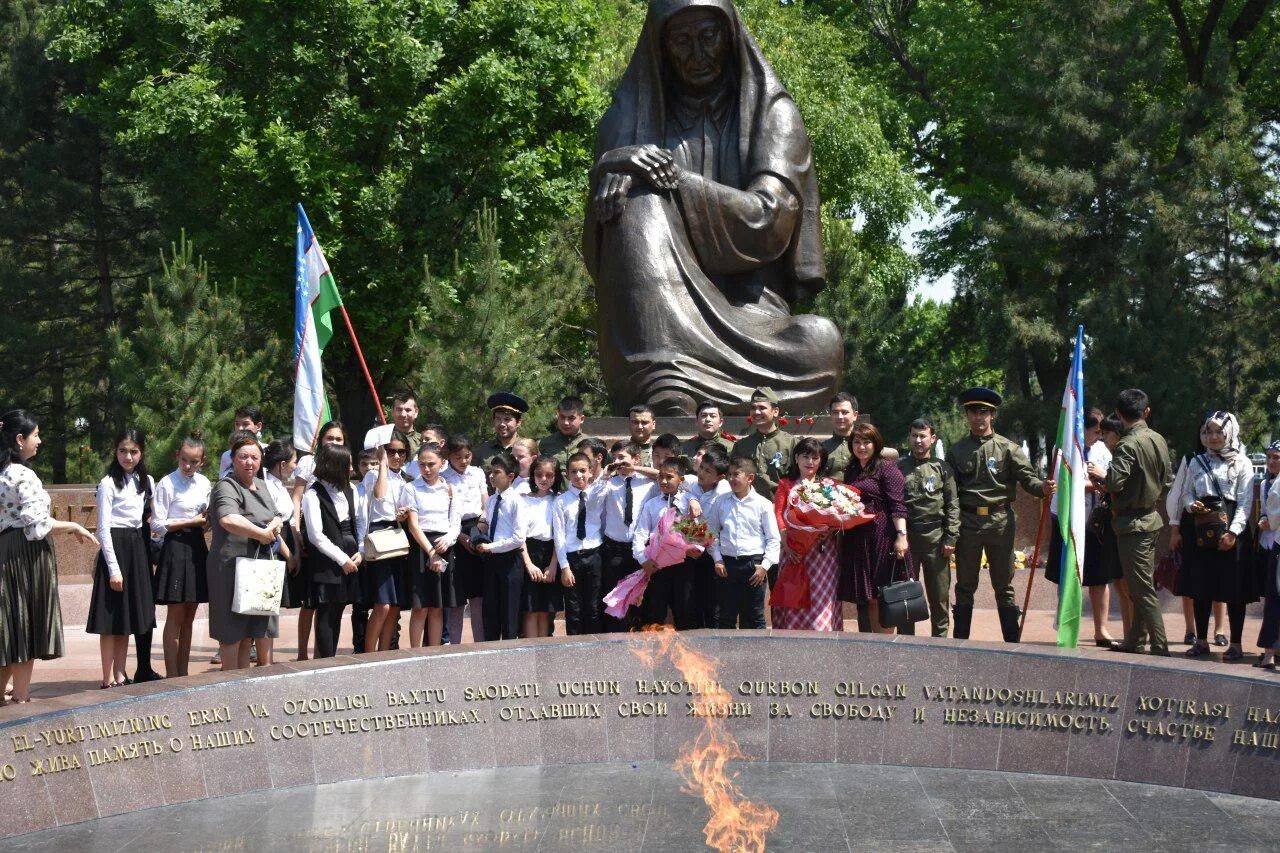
[(1231, 429)]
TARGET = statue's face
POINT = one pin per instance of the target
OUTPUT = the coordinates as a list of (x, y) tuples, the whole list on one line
[(696, 41)]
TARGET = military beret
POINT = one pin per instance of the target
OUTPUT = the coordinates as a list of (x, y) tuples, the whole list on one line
[(980, 397), (765, 394), (507, 402)]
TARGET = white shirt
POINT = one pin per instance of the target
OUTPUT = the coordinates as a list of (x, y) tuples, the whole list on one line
[(521, 486), (1271, 509), (647, 520), (469, 490), (701, 494), (1238, 486), (178, 498), (615, 502), (435, 507), (508, 534), (384, 509), (280, 496), (315, 525), (24, 502), (118, 508), (305, 471), (537, 516), (1173, 499), (1101, 457), (743, 527), (564, 521)]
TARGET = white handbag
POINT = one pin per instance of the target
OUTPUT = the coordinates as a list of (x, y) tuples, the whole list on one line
[(259, 583), (385, 544)]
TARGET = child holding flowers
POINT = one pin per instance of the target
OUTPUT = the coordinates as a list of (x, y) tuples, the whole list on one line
[(670, 586)]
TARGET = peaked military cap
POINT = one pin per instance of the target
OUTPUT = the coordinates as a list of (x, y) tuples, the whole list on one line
[(980, 397), (505, 401)]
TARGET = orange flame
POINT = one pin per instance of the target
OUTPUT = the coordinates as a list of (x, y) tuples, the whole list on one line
[(736, 823)]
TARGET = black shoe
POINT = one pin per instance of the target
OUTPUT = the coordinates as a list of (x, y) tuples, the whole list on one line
[(1190, 638), (961, 618), (1219, 639), (148, 675), (1010, 628), (1197, 650), (1119, 646), (1231, 655)]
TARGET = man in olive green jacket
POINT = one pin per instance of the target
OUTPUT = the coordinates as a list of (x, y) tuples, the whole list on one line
[(933, 520), (1138, 476)]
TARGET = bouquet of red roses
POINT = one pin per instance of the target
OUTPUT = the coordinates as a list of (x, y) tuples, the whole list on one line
[(814, 509)]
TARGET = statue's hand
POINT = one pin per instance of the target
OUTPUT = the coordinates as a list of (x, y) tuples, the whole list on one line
[(650, 162), (611, 196)]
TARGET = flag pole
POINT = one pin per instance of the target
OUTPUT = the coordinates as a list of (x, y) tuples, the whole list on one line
[(1035, 554), (377, 403)]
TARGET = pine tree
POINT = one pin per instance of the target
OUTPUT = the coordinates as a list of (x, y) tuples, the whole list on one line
[(189, 364)]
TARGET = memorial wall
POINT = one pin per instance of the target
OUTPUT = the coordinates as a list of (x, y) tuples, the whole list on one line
[(792, 696)]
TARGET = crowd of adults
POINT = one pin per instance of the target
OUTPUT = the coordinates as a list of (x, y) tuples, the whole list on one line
[(515, 531)]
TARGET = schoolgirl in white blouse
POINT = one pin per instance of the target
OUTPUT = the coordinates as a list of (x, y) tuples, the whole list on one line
[(122, 602), (179, 517)]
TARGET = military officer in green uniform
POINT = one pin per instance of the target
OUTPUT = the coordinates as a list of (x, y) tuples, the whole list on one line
[(404, 414), (843, 410), (642, 424), (933, 520), (710, 431), (769, 445), (508, 411), (987, 468), (1138, 476), (565, 441)]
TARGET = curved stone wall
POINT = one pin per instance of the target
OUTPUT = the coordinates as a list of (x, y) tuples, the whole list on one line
[(797, 697)]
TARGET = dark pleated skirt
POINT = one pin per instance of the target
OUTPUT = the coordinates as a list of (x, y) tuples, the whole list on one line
[(30, 616), (383, 580), (132, 610), (297, 589), (470, 567), (541, 597), (425, 588), (182, 575), (1229, 576), (347, 590), (1101, 557)]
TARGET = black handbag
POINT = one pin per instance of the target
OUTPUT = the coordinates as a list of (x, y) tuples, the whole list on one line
[(901, 603), (1211, 526)]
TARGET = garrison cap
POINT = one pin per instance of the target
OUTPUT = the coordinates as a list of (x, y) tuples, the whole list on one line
[(764, 393), (505, 401), (980, 397)]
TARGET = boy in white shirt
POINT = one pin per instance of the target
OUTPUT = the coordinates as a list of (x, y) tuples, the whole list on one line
[(624, 494), (746, 546), (707, 486), (576, 531), (671, 588), (501, 555)]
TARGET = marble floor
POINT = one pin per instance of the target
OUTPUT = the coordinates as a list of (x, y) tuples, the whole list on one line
[(628, 807)]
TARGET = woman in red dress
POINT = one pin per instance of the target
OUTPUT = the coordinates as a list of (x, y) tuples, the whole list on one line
[(822, 563), (871, 552)]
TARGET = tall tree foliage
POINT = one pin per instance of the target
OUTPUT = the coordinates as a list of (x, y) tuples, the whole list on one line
[(193, 358)]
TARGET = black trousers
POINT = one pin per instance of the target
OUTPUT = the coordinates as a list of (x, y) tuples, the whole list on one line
[(741, 605), (616, 562), (1235, 618), (704, 591), (1269, 633), (328, 625), (582, 603), (674, 589), (503, 584)]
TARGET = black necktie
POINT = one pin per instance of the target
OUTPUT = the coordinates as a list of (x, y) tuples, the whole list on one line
[(582, 516), (671, 500), (493, 520), (626, 513)]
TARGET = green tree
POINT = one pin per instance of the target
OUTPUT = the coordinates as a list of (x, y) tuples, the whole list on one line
[(191, 362)]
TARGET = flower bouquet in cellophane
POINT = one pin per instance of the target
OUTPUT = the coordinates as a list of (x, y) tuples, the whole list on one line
[(675, 540), (814, 510)]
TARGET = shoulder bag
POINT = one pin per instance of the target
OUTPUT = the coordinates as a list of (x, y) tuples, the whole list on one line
[(1211, 526), (259, 583)]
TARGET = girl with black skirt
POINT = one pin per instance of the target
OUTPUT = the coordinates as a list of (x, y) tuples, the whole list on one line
[(122, 602), (384, 579), (335, 518), (541, 597), (470, 491), (432, 585), (30, 614), (179, 517), (298, 586), (1217, 562)]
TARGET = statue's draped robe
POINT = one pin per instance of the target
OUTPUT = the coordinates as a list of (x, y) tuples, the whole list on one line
[(695, 285)]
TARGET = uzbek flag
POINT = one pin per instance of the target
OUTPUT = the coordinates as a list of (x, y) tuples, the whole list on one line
[(1069, 499), (316, 295)]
